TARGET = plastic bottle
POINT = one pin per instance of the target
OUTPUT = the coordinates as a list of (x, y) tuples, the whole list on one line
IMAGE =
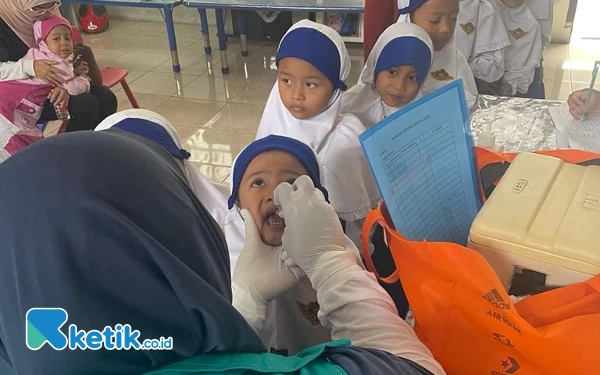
[(62, 112)]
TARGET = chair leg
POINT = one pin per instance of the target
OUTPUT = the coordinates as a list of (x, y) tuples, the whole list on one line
[(63, 127), (129, 94)]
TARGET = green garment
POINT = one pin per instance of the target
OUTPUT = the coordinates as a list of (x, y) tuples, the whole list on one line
[(307, 362)]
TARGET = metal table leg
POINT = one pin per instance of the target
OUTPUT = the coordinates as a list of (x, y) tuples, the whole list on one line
[(222, 40), (243, 21), (205, 32), (172, 39)]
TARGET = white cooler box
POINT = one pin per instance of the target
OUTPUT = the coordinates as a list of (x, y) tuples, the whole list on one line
[(544, 215)]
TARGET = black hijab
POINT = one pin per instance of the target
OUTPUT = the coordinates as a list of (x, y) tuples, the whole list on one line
[(104, 225)]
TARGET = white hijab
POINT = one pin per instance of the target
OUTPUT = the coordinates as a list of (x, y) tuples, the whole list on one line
[(348, 178), (479, 29), (467, 26), (278, 120), (362, 100), (449, 64), (213, 196), (524, 31), (491, 34)]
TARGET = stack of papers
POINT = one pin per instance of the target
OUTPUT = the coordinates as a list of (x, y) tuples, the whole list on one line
[(572, 133)]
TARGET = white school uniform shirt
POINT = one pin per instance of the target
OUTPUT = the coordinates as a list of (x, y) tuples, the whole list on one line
[(481, 37), (213, 196), (543, 10), (334, 138), (525, 52), (449, 64), (362, 100)]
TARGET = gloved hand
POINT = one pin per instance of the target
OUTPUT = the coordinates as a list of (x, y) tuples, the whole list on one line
[(260, 276), (313, 235)]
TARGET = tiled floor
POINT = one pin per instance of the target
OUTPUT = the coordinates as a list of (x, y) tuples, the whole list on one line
[(217, 115)]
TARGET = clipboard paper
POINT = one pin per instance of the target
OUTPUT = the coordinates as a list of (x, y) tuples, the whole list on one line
[(423, 163)]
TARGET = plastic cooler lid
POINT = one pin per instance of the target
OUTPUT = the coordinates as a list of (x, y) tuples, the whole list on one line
[(547, 210)]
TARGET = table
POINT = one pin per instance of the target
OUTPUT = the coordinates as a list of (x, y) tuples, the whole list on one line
[(338, 6), (166, 5), (518, 124)]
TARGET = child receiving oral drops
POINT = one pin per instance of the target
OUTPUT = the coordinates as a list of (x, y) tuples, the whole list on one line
[(290, 323)]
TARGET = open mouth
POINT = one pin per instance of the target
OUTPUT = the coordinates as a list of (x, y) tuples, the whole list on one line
[(274, 220)]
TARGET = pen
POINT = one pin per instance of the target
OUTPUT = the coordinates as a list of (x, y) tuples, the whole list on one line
[(590, 91)]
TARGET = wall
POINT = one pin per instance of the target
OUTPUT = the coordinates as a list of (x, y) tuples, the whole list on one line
[(561, 29)]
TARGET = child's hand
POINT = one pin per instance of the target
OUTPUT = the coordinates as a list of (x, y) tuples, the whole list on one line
[(82, 69), (59, 95), (505, 89), (576, 106)]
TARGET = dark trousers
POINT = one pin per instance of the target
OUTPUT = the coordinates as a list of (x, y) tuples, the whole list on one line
[(87, 110)]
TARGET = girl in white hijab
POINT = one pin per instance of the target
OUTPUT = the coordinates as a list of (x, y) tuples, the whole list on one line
[(304, 104), (523, 57), (438, 18), (158, 129), (481, 37), (396, 68)]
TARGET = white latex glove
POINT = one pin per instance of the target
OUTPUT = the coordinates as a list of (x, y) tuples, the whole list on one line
[(260, 276), (351, 302), (312, 226)]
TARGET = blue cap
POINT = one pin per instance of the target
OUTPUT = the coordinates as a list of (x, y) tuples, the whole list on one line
[(297, 149), (405, 50), (315, 48), (414, 4), (152, 132)]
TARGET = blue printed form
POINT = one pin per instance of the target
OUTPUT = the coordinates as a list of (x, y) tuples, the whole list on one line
[(422, 160)]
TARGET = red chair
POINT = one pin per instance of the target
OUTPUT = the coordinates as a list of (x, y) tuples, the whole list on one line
[(111, 76)]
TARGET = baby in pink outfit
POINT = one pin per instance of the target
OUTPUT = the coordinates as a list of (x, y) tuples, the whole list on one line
[(22, 101)]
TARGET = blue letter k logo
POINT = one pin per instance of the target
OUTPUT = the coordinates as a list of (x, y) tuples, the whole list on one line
[(43, 326)]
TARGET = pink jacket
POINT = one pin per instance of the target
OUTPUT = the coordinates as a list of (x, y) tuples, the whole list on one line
[(22, 101)]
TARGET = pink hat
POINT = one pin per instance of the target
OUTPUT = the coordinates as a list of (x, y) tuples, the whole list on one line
[(42, 28)]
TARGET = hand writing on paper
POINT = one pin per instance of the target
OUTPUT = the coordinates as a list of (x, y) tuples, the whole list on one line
[(577, 106)]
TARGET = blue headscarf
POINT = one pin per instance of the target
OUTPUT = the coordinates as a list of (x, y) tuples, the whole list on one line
[(316, 48), (406, 50), (113, 238), (154, 132), (411, 7), (297, 149)]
